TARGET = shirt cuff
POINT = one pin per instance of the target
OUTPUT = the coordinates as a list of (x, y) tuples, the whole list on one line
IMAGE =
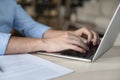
[(36, 31), (4, 38)]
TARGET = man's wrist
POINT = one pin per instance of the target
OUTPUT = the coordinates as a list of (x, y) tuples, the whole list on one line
[(42, 45), (53, 33)]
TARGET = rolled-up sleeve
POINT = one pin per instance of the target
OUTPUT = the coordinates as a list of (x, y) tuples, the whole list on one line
[(4, 38), (26, 25)]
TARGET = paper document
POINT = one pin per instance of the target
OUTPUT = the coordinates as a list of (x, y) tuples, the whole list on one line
[(29, 67)]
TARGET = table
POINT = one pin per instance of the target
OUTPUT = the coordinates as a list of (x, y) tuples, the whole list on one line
[(105, 68)]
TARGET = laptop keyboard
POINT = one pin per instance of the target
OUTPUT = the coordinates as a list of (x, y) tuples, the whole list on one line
[(89, 54)]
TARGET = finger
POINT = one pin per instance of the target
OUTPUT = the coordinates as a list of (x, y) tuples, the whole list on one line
[(76, 40), (83, 45), (95, 38), (84, 40), (79, 43), (88, 33)]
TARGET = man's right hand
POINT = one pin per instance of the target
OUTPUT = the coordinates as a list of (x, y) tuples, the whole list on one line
[(66, 41)]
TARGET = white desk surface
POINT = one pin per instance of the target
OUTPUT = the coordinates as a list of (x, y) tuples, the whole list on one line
[(105, 68)]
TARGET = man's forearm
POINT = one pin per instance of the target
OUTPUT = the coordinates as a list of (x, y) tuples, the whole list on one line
[(22, 45), (53, 33)]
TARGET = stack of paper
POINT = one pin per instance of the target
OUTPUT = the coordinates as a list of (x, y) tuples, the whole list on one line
[(29, 67)]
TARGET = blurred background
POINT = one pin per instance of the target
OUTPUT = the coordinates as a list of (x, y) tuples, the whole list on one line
[(72, 14)]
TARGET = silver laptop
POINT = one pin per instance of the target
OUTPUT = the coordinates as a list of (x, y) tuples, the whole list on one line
[(96, 51)]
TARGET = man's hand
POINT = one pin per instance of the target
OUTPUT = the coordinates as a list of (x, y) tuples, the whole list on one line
[(71, 40), (64, 42), (90, 34)]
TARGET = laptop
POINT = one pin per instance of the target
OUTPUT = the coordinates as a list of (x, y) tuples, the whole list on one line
[(95, 51)]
